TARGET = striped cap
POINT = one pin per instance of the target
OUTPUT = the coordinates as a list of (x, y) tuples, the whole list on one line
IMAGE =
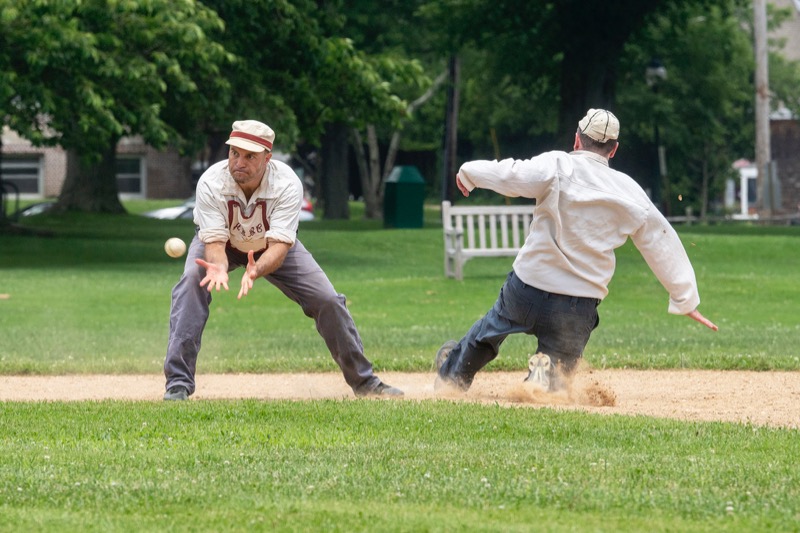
[(251, 135)]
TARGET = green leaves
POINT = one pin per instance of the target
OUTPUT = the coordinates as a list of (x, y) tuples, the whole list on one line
[(703, 110), (177, 70), (109, 68)]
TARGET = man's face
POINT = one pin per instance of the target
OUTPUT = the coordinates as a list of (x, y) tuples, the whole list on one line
[(246, 167)]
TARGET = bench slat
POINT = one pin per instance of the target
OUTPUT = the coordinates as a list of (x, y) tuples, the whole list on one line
[(504, 231), (470, 231), (482, 231)]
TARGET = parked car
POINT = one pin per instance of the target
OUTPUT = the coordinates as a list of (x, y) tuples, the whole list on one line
[(185, 210), (34, 209), (307, 211)]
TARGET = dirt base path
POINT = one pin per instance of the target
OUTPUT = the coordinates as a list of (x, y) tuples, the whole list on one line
[(758, 398)]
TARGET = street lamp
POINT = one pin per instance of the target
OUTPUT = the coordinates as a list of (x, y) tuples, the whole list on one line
[(654, 75)]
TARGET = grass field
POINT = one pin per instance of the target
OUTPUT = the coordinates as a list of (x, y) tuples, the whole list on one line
[(385, 466), (95, 298)]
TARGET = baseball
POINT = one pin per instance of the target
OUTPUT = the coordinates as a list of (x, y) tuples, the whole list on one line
[(175, 247)]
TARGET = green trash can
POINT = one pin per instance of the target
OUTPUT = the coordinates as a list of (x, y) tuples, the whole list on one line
[(403, 198)]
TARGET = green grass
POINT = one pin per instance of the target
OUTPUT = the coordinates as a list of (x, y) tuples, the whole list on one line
[(394, 466), (95, 298)]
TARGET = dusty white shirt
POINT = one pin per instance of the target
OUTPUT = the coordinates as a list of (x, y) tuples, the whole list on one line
[(222, 213), (584, 211)]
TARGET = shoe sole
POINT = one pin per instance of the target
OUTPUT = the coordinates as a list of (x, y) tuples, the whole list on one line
[(539, 371), (444, 351), (381, 391), (180, 396), (384, 394)]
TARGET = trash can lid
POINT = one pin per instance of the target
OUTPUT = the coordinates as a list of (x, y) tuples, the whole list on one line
[(405, 174)]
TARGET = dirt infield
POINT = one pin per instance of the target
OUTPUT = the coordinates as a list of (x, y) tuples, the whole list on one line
[(758, 398)]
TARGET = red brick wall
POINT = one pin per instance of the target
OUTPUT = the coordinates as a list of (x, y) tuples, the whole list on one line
[(168, 175)]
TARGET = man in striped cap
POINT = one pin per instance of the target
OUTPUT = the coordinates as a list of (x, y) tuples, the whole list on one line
[(247, 214)]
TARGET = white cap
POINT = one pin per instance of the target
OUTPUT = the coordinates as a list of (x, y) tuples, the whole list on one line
[(251, 135), (600, 125)]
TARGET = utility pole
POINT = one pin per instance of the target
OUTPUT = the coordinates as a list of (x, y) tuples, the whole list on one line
[(763, 151)]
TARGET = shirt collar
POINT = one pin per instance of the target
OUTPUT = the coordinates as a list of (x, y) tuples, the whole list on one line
[(591, 155)]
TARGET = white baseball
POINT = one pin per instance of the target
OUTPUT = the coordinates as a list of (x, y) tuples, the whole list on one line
[(175, 247)]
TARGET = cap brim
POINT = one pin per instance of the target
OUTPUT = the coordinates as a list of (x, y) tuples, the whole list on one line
[(244, 144)]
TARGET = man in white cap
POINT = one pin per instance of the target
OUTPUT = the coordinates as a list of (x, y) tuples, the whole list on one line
[(247, 214), (584, 211)]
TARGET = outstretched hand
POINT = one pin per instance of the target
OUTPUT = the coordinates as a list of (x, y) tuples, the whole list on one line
[(460, 185), (250, 274), (695, 315), (216, 276)]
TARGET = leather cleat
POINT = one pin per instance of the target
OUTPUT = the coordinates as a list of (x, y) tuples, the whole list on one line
[(448, 386), (444, 351), (540, 368), (176, 393), (381, 390)]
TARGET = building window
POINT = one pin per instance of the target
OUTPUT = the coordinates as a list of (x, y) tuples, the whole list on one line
[(130, 176), (25, 173)]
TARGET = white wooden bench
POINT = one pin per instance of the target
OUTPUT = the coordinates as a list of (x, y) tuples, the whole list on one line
[(482, 231)]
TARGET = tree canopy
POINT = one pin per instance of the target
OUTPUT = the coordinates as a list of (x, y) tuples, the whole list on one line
[(83, 73), (87, 73)]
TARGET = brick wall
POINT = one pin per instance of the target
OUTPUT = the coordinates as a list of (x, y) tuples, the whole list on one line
[(167, 174), (785, 146), (54, 160)]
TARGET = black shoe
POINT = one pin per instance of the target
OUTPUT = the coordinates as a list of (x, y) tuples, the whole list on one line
[(448, 385), (176, 393), (444, 351), (380, 390)]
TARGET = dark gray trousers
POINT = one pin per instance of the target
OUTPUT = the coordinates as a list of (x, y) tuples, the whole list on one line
[(301, 279), (562, 324)]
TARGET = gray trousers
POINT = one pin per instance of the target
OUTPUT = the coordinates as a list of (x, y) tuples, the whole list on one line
[(301, 279)]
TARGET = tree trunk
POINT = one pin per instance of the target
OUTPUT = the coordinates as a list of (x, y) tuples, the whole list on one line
[(372, 204), (584, 85), (4, 221), (451, 132), (370, 171), (589, 66), (704, 184), (373, 176), (394, 144), (91, 186), (334, 172)]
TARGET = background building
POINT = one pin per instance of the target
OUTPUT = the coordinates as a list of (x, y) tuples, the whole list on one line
[(142, 172)]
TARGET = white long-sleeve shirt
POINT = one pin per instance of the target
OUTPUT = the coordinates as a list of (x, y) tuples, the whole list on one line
[(584, 211), (223, 214)]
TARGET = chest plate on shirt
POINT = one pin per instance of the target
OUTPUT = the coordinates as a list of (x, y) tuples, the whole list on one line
[(248, 225)]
